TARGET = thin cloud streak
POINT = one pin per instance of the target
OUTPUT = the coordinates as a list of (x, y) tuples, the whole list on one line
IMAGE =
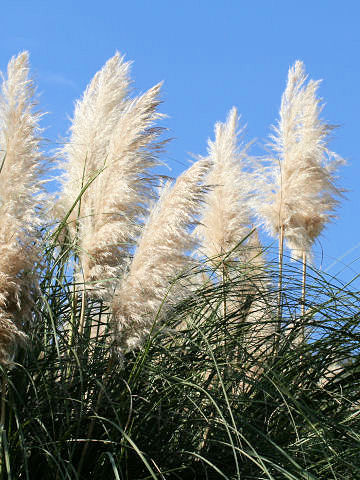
[(57, 79)]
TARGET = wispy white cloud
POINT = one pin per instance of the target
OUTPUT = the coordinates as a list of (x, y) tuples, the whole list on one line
[(57, 78)]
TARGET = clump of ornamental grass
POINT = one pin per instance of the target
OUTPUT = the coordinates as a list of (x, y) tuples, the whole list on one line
[(20, 219), (199, 393), (187, 405)]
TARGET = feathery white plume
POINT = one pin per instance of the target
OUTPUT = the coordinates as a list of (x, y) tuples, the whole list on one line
[(95, 118), (226, 224), (21, 167), (162, 253), (302, 195), (226, 217), (112, 147), (119, 195)]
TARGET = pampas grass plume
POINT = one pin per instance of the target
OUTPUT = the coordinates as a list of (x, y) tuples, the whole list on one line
[(301, 195), (120, 194), (21, 187), (226, 224), (95, 117), (112, 147), (162, 253), (226, 217)]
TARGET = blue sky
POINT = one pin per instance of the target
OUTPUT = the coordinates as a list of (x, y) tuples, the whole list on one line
[(212, 55)]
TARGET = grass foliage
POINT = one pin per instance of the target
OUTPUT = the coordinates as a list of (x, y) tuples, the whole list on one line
[(205, 398)]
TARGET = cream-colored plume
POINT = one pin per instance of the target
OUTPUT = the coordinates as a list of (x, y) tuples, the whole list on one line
[(95, 118), (162, 253), (113, 146), (226, 217), (119, 195), (301, 195), (21, 167), (226, 224)]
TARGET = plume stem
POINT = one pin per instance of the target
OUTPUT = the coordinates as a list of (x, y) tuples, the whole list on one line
[(2, 418), (303, 291), (73, 315), (224, 279), (281, 258), (82, 313)]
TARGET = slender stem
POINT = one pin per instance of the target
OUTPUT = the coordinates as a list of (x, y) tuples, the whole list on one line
[(71, 328), (77, 232), (2, 421), (97, 330), (82, 313), (281, 257), (206, 432), (223, 278), (73, 316), (3, 401), (224, 288), (303, 292)]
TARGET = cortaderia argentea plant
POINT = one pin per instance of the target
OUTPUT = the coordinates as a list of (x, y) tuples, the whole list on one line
[(301, 196), (21, 169), (180, 288)]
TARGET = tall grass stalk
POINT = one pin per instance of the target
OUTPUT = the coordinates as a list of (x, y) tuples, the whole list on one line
[(2, 420), (280, 280), (303, 291)]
